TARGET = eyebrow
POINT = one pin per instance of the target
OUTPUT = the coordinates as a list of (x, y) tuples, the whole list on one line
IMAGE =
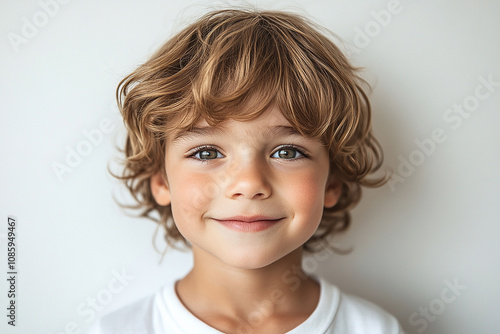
[(280, 130)]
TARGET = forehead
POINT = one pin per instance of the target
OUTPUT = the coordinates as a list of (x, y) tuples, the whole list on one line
[(270, 123)]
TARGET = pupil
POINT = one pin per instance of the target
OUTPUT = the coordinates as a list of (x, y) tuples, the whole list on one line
[(286, 154), (207, 154)]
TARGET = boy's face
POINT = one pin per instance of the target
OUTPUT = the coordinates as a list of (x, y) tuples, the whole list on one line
[(219, 180)]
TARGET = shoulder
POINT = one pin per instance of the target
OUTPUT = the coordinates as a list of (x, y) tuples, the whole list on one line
[(358, 316), (135, 318), (365, 316)]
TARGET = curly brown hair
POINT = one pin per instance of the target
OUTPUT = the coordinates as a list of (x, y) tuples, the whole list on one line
[(214, 67)]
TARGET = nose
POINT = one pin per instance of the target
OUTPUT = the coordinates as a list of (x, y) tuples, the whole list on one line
[(249, 179)]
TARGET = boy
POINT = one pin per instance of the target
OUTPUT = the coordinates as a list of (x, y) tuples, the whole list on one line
[(250, 136)]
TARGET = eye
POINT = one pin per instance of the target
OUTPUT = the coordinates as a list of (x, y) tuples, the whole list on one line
[(206, 153), (288, 153)]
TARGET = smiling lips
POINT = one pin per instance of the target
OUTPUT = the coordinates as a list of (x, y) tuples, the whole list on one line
[(248, 223)]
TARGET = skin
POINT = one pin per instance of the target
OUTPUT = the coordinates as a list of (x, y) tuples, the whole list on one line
[(248, 168)]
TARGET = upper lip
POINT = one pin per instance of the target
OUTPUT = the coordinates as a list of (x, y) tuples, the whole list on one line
[(247, 219)]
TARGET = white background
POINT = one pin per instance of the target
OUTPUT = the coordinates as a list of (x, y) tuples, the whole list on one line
[(440, 224)]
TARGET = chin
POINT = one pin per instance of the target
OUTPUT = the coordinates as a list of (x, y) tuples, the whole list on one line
[(247, 265), (251, 259)]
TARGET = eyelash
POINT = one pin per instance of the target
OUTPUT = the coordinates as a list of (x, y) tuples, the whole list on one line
[(202, 148)]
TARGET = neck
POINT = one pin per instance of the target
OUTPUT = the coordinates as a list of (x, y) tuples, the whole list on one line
[(279, 288)]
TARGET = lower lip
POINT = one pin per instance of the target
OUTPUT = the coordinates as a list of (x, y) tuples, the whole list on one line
[(254, 226)]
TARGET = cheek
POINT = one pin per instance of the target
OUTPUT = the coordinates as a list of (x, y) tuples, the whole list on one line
[(191, 195), (308, 196)]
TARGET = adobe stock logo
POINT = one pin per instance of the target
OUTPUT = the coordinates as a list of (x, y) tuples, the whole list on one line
[(31, 26), (371, 29), (437, 306), (453, 117), (74, 156), (93, 305)]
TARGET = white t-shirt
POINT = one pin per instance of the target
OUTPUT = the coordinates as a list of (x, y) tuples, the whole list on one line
[(162, 313)]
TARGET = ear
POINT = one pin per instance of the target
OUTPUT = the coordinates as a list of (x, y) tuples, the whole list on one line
[(160, 189), (332, 192)]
